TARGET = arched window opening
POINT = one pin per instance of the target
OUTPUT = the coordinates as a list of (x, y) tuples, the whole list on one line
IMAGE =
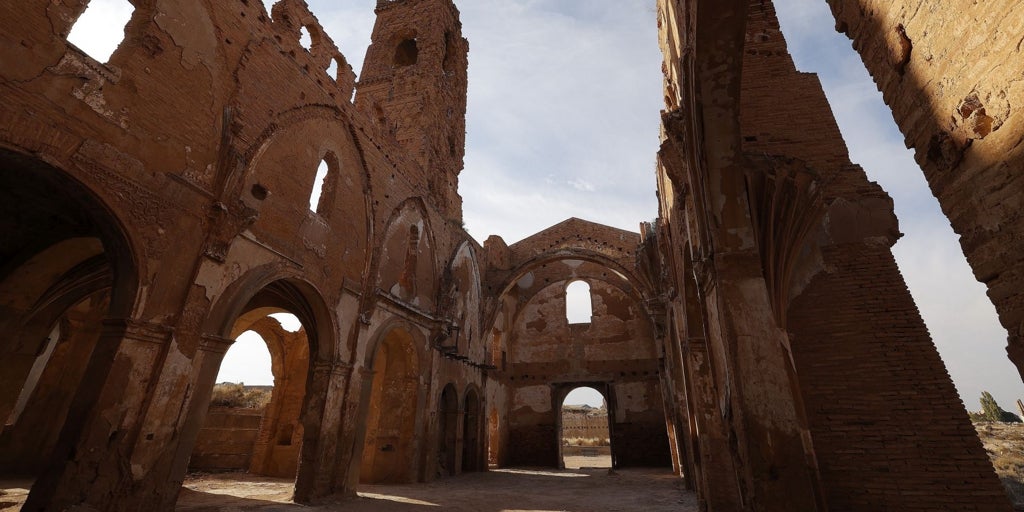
[(247, 363), (317, 198), (332, 69), (34, 374), (406, 53), (578, 305), (305, 38), (92, 32), (585, 437)]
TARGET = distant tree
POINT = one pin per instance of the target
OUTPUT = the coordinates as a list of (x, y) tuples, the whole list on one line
[(990, 410)]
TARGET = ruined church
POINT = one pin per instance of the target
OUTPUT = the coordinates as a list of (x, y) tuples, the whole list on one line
[(757, 338)]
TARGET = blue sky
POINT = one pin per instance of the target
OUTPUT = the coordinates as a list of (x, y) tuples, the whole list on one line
[(564, 100)]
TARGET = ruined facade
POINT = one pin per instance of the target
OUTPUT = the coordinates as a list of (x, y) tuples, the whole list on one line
[(757, 337)]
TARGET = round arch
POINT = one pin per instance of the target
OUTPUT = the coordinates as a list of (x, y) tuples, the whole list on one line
[(634, 286), (390, 406), (472, 430), (63, 243), (584, 426), (419, 340), (447, 430), (272, 288), (280, 174), (405, 262)]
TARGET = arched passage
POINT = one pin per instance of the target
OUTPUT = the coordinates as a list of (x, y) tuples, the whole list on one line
[(584, 429), (389, 443), (447, 430), (253, 422), (471, 432), (66, 269), (290, 432)]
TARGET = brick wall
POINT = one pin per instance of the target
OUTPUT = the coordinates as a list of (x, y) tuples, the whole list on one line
[(226, 440), (949, 69), (889, 431)]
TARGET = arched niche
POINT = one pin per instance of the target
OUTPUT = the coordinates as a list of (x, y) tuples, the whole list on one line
[(281, 177), (472, 431), (406, 259), (463, 298), (390, 446), (447, 431)]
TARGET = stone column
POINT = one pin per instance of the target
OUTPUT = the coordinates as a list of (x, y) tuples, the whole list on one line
[(332, 453), (89, 464)]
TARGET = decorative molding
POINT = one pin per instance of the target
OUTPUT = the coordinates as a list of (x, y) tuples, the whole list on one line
[(136, 330), (215, 344), (786, 203)]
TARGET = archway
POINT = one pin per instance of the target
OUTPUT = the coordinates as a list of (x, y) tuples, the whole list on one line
[(66, 268), (289, 433), (471, 432), (584, 430), (253, 422), (447, 431), (389, 444)]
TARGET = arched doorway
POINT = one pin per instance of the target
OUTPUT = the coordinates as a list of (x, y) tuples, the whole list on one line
[(389, 444), (66, 270), (471, 432), (290, 440), (253, 422), (447, 431), (584, 429)]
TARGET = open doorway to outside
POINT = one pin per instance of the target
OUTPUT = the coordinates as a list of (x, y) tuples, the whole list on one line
[(584, 430), (253, 422)]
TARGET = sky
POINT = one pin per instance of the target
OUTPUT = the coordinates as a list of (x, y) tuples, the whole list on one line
[(563, 113)]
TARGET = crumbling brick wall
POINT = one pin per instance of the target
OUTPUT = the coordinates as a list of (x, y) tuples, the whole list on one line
[(948, 70)]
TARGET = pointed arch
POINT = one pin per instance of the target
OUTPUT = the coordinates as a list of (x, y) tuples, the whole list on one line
[(406, 261), (463, 294)]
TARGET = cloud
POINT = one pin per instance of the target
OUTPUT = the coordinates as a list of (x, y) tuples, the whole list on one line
[(581, 185)]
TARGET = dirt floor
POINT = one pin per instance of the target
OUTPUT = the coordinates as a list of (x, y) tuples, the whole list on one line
[(498, 490), (601, 461), (501, 490)]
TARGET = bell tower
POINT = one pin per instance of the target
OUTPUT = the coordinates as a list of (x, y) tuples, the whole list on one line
[(413, 84)]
